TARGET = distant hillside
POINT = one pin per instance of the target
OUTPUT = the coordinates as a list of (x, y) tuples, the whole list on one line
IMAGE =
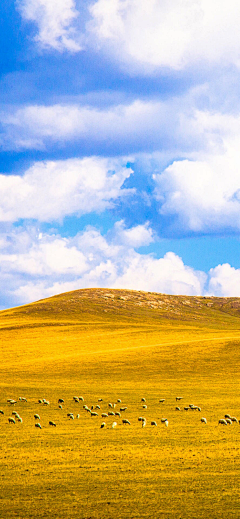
[(97, 304)]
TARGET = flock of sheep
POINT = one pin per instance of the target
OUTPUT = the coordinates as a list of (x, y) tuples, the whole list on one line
[(114, 412)]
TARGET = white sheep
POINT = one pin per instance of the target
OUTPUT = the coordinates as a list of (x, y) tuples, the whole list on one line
[(222, 421), (125, 422), (102, 425), (204, 420), (11, 420), (154, 423), (114, 424)]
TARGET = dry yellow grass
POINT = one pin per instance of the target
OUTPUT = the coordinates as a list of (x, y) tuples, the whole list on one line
[(114, 344)]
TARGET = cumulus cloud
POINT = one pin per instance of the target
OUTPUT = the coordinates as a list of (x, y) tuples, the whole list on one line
[(139, 123), (173, 124), (55, 21), (224, 281), (35, 268), (51, 190), (204, 194), (144, 36)]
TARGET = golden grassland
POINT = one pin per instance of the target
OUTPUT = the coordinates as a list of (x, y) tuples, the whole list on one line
[(119, 344)]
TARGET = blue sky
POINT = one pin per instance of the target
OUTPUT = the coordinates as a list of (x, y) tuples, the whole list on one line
[(120, 144)]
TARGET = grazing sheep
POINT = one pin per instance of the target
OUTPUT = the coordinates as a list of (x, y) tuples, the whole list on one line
[(144, 423), (46, 402), (22, 399), (104, 415), (199, 409), (1, 411), (227, 416), (222, 422), (100, 400), (234, 419), (11, 420), (81, 398), (144, 406), (186, 408), (60, 401), (143, 400), (123, 409), (111, 413), (229, 422), (52, 423), (162, 400), (165, 420), (12, 402), (178, 398), (76, 399), (119, 400), (102, 425), (98, 407), (94, 414), (177, 409), (125, 422), (71, 416), (15, 412), (60, 406), (19, 419), (110, 405), (38, 425), (78, 416), (40, 401), (37, 417), (204, 420), (118, 414), (154, 423), (114, 424)]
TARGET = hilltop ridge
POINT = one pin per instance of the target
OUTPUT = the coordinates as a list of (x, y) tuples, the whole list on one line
[(121, 303)]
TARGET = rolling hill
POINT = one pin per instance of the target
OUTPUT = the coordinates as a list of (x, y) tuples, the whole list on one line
[(109, 345)]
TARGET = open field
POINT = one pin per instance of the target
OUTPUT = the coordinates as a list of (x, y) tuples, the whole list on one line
[(119, 344)]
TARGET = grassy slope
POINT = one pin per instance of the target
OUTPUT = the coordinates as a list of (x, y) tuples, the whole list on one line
[(120, 344)]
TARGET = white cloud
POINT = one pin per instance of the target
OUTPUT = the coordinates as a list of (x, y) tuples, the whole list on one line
[(135, 236), (173, 124), (224, 281), (37, 268), (144, 36), (36, 126), (53, 189), (204, 194), (141, 35), (55, 21)]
